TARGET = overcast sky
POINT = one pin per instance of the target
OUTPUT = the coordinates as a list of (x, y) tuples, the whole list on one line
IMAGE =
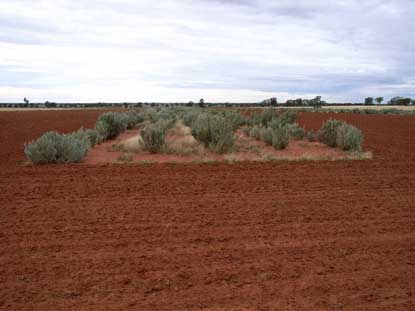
[(219, 50)]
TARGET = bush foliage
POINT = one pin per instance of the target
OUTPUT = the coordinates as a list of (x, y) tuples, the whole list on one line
[(55, 148)]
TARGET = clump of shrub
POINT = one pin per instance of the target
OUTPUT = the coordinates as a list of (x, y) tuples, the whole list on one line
[(288, 117), (255, 132), (268, 115), (267, 134), (214, 132), (110, 125), (254, 119), (55, 148), (349, 138), (328, 132), (235, 119), (154, 137), (295, 131), (132, 118), (311, 136), (280, 138), (335, 133)]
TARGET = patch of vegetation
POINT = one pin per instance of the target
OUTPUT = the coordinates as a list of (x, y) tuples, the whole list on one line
[(335, 133), (214, 131), (295, 131), (55, 148), (154, 136)]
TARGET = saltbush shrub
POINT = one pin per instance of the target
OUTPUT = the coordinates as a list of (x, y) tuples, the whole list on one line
[(254, 119), (214, 132), (255, 132), (154, 137), (280, 138), (111, 125), (311, 136), (55, 148), (295, 131), (328, 132), (235, 119), (132, 118), (268, 115), (267, 134), (349, 138), (288, 117)]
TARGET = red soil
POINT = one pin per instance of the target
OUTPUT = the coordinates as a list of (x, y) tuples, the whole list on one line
[(247, 236)]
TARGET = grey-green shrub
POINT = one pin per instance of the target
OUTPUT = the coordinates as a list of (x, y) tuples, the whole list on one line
[(288, 117), (255, 132), (254, 119), (328, 132), (280, 138), (214, 132), (154, 137), (295, 131), (55, 148), (92, 136), (268, 115), (349, 138), (132, 118), (101, 129), (235, 119), (311, 136), (111, 125), (267, 134)]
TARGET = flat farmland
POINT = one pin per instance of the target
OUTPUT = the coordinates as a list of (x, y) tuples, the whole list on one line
[(244, 236)]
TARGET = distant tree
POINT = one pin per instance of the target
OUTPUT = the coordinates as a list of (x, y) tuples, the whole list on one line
[(201, 103), (379, 100), (369, 101), (400, 101), (316, 102)]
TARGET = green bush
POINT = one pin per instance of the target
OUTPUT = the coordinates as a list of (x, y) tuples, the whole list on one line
[(111, 124), (132, 118), (274, 123), (55, 148), (328, 132), (235, 119), (295, 131), (154, 137), (267, 134), (214, 132), (288, 117), (255, 132), (101, 129), (268, 115), (92, 136), (311, 136), (189, 117), (349, 138), (280, 138), (254, 119)]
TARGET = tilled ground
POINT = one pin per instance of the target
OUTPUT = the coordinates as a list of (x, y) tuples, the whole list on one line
[(246, 236)]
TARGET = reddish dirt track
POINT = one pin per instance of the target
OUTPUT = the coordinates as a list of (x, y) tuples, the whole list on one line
[(247, 236)]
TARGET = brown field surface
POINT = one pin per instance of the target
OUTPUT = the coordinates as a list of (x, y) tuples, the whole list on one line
[(244, 236)]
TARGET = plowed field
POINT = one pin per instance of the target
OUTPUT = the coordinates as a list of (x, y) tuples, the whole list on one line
[(245, 236)]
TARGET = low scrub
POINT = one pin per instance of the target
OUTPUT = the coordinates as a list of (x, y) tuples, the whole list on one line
[(335, 133), (55, 148), (110, 125), (288, 117), (311, 136), (154, 137), (328, 132), (214, 132), (349, 138), (280, 138), (268, 115), (295, 131)]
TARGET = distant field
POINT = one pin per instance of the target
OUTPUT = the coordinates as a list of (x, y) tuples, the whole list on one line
[(371, 107)]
